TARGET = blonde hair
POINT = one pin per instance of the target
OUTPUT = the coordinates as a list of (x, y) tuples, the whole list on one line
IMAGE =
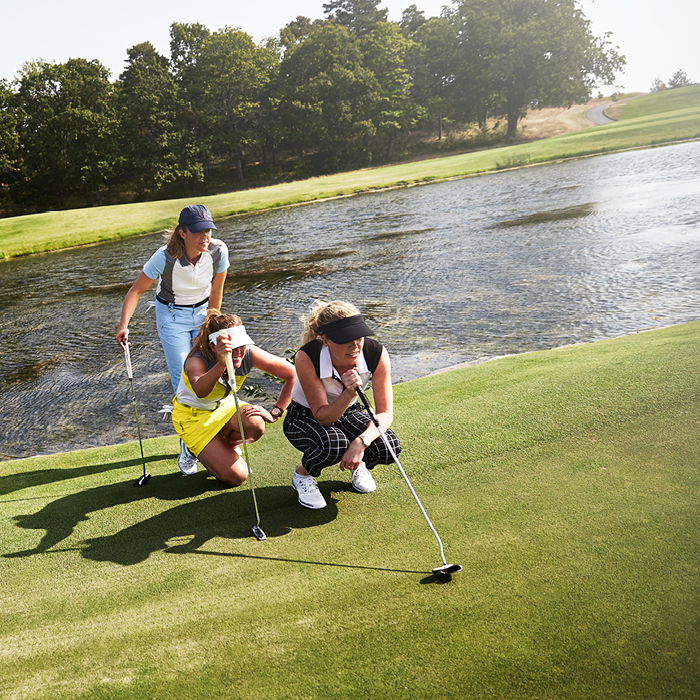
[(175, 242), (321, 312), (214, 321)]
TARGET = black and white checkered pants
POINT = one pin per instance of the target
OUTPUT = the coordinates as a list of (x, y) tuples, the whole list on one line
[(324, 445)]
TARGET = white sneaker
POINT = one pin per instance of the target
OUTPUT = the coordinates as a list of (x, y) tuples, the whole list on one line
[(362, 480), (307, 488), (187, 462)]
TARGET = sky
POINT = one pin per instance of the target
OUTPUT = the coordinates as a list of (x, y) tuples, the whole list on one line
[(658, 37)]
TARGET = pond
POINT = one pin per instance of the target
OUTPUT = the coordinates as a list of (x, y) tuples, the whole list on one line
[(446, 273)]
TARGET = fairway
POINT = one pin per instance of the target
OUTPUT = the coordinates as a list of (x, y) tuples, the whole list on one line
[(565, 482)]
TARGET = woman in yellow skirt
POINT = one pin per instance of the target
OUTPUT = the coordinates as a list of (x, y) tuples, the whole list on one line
[(204, 412)]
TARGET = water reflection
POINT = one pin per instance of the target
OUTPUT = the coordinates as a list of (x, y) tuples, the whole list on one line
[(446, 273)]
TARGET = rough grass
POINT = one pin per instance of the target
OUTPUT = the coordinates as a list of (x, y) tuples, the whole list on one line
[(564, 481), (659, 118)]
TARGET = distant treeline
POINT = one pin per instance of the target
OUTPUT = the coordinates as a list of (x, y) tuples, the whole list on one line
[(326, 95)]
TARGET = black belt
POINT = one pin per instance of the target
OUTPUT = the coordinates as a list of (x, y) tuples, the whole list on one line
[(183, 306)]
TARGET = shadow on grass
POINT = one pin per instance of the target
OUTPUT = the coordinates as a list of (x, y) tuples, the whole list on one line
[(187, 526), (224, 513), (40, 477)]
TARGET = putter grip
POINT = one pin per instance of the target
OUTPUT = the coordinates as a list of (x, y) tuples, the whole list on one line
[(229, 369)]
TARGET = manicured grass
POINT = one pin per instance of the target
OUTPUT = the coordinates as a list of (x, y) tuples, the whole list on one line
[(659, 118), (564, 481)]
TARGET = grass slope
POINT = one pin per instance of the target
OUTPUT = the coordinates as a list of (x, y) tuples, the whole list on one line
[(564, 481), (659, 118)]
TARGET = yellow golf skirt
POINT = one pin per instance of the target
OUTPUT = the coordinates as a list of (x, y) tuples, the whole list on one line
[(197, 427)]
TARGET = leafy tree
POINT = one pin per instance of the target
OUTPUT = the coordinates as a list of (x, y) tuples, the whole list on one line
[(530, 52), (433, 67), (157, 148), (385, 50), (359, 16), (8, 138), (326, 96), (411, 19), (679, 79), (657, 85), (186, 47), (234, 73), (298, 30), (65, 131)]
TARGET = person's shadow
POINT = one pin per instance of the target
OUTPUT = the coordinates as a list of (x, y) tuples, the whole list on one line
[(226, 513)]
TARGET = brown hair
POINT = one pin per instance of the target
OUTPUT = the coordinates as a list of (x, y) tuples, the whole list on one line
[(175, 242), (321, 312), (214, 321)]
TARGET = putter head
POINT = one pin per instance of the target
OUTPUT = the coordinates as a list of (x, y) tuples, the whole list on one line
[(447, 569), (258, 532), (142, 480)]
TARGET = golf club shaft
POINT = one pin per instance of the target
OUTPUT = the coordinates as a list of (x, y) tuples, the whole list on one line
[(130, 373), (375, 420), (232, 384)]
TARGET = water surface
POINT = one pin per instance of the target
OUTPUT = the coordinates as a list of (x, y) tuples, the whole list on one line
[(445, 273)]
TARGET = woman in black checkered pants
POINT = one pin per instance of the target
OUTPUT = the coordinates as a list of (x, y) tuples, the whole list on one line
[(324, 420)]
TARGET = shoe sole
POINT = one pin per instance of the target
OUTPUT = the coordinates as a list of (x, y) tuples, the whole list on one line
[(306, 505), (366, 491)]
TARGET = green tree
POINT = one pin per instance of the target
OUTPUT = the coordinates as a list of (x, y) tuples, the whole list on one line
[(385, 51), (519, 53), (326, 98), (359, 16), (299, 29), (411, 19), (235, 73), (186, 46), (157, 149), (678, 79), (433, 62), (65, 132), (9, 141)]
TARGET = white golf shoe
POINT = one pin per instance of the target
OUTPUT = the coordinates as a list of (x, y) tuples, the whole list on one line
[(309, 494), (362, 480), (187, 462)]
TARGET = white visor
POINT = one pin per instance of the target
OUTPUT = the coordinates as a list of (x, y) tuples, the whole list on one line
[(238, 336)]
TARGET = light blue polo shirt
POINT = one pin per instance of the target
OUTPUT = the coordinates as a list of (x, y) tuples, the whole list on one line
[(182, 283)]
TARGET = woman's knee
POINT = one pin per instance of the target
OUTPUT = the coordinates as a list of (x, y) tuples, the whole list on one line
[(254, 428)]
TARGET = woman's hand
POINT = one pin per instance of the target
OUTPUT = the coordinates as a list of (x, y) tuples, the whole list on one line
[(353, 455), (122, 335), (250, 410), (351, 380), (223, 347)]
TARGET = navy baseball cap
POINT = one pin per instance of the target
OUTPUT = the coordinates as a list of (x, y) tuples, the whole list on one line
[(195, 218)]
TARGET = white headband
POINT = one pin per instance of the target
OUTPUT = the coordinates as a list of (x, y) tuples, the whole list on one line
[(238, 336)]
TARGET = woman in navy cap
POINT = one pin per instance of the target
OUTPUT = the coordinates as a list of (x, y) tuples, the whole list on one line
[(191, 270), (324, 420)]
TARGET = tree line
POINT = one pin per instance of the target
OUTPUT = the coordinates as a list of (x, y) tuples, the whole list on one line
[(325, 95)]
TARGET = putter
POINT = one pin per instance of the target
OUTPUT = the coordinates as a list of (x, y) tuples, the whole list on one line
[(257, 530), (143, 479), (446, 568)]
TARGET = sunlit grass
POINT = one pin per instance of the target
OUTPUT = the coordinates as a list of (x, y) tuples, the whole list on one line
[(565, 482)]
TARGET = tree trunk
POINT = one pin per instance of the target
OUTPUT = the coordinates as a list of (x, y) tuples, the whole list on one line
[(512, 124), (439, 127), (239, 164)]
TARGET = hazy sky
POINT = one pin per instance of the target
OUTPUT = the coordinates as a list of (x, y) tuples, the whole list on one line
[(657, 36)]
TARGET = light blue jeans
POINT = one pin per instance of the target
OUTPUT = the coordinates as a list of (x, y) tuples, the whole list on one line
[(177, 328)]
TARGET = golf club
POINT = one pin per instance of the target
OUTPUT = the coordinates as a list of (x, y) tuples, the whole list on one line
[(142, 480), (446, 568), (257, 530)]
